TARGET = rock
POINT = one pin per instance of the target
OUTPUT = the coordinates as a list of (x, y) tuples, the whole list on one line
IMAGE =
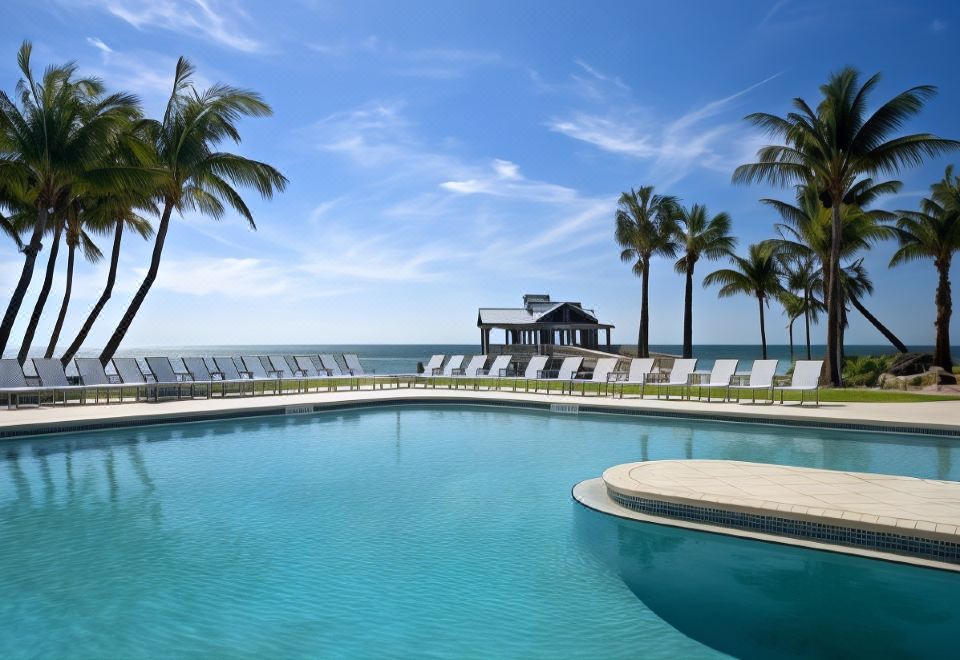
[(911, 364), (939, 376)]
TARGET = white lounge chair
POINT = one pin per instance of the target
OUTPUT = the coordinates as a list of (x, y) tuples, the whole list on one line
[(94, 378), (635, 375), (453, 364), (354, 367), (806, 378), (600, 375), (328, 362), (228, 372), (13, 383), (500, 367), (200, 372), (719, 376), (473, 368), (564, 375), (434, 366), (679, 376), (760, 378), (132, 376), (53, 378), (534, 368), (164, 374)]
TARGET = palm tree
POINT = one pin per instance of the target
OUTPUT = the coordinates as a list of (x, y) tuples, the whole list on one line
[(933, 232), (53, 136), (794, 307), (699, 236), (834, 147), (191, 173), (856, 285), (121, 212), (800, 279), (30, 331), (645, 227), (77, 223), (757, 275), (806, 234)]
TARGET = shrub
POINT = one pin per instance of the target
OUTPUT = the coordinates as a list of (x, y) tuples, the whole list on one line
[(864, 371)]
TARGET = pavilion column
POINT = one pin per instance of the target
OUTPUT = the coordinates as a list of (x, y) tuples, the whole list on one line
[(608, 337)]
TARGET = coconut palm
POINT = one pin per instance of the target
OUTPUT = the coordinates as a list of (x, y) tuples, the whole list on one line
[(856, 285), (834, 147), (78, 225), (757, 275), (793, 306), (645, 228), (118, 210), (192, 173), (56, 231), (698, 236), (806, 234), (933, 232), (800, 279), (54, 134)]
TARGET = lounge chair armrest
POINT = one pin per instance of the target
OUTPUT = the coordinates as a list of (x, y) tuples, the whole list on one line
[(329, 372), (276, 373), (654, 377), (781, 380), (217, 375), (462, 371), (435, 371), (246, 374), (543, 373), (616, 376), (740, 379)]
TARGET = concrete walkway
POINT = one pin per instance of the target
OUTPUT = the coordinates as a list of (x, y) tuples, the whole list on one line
[(936, 416)]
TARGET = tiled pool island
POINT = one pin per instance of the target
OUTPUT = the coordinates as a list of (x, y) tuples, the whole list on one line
[(884, 516)]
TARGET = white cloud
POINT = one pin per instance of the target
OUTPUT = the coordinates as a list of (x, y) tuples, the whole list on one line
[(938, 25), (438, 63), (589, 83), (98, 43), (674, 147), (220, 22), (506, 181)]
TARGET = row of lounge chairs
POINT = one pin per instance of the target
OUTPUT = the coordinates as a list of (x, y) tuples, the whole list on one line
[(203, 377), (681, 378), (209, 376)]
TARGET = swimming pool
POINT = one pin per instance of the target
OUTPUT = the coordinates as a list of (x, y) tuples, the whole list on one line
[(440, 531)]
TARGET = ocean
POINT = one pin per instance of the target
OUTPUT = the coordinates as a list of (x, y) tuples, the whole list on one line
[(403, 358)]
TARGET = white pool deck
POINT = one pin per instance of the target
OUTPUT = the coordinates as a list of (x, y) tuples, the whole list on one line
[(938, 416)]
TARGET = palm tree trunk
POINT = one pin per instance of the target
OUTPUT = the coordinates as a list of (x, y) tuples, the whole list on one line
[(42, 298), (763, 330), (884, 330), (26, 274), (688, 315), (944, 300), (834, 360), (58, 326), (101, 302), (114, 342), (790, 331), (806, 319), (643, 345)]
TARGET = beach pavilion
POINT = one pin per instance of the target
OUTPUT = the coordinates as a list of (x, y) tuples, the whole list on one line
[(542, 322)]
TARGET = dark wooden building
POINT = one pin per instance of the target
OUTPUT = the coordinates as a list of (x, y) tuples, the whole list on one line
[(542, 322)]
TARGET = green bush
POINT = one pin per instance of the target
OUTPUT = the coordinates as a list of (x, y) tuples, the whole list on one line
[(864, 371)]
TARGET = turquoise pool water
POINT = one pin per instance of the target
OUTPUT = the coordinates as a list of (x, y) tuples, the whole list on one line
[(438, 532)]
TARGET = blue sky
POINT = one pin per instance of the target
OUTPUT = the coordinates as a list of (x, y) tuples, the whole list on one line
[(445, 156)]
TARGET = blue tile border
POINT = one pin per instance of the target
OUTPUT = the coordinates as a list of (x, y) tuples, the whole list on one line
[(901, 544)]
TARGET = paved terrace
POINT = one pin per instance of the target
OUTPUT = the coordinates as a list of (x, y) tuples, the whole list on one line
[(887, 516), (933, 416)]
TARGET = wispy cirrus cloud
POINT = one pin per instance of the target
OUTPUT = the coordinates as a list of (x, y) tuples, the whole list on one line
[(222, 22), (425, 62), (99, 44), (674, 147)]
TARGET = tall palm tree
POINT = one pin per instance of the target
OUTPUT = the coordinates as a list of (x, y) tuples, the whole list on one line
[(757, 275), (56, 231), (834, 147), (120, 211), (191, 173), (856, 285), (645, 227), (806, 234), (53, 135), (794, 307), (933, 232), (78, 222), (699, 236)]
